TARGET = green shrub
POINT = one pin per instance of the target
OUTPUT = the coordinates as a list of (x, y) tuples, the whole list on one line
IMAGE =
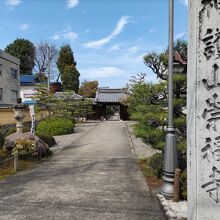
[(2, 139), (180, 123), (159, 145), (151, 135), (181, 145), (156, 164), (183, 185), (56, 126), (48, 139)]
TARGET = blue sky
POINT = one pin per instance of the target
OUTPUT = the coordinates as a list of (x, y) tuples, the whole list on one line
[(108, 37)]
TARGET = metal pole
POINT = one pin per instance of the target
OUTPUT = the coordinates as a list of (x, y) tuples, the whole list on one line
[(48, 80), (170, 152)]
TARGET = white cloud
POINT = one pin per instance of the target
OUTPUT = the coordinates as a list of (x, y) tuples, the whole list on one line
[(13, 2), (152, 30), (72, 3), (102, 72), (184, 2), (56, 37), (70, 35), (23, 26), (133, 49), (66, 34), (118, 29), (115, 47)]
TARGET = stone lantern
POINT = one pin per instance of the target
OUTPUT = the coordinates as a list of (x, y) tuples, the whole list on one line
[(19, 115)]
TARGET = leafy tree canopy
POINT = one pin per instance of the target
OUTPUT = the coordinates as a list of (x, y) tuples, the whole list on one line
[(88, 88), (158, 62), (25, 51)]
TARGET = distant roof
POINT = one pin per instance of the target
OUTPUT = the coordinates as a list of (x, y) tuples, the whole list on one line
[(29, 79), (178, 58), (9, 57), (110, 95), (68, 95)]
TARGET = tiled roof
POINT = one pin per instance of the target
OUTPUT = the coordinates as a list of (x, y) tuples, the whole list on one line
[(27, 79), (68, 95), (110, 95), (178, 58)]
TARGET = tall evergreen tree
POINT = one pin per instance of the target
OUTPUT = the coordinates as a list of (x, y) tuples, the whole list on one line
[(25, 51), (67, 67), (70, 78)]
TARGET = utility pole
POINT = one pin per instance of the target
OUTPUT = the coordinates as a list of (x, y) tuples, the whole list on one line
[(170, 152), (48, 79)]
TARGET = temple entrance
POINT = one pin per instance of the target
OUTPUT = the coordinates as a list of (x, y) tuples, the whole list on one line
[(109, 104)]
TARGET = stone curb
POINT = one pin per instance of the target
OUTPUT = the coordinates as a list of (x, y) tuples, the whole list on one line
[(131, 142)]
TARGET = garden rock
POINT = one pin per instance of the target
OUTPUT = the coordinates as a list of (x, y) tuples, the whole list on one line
[(11, 139)]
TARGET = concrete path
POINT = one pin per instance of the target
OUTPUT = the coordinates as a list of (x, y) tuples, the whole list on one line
[(95, 177)]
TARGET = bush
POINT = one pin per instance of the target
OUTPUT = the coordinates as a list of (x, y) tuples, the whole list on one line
[(156, 164), (55, 126), (48, 139), (2, 139), (151, 135), (160, 145)]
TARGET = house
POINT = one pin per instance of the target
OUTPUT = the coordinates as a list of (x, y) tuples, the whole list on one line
[(9, 79), (179, 64), (29, 83), (28, 88)]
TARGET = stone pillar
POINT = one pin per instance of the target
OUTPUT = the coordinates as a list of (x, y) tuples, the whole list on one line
[(19, 116), (203, 106)]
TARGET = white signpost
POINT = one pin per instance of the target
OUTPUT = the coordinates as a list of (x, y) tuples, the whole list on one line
[(32, 113), (203, 105)]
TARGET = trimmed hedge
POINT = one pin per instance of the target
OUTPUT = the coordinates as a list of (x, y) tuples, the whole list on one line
[(56, 126), (48, 139)]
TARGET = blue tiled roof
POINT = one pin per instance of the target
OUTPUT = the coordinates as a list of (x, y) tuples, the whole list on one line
[(27, 79)]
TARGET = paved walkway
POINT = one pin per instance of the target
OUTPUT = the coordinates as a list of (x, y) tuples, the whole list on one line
[(95, 177)]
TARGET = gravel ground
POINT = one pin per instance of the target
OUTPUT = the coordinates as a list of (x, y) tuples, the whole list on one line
[(173, 210), (140, 149)]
